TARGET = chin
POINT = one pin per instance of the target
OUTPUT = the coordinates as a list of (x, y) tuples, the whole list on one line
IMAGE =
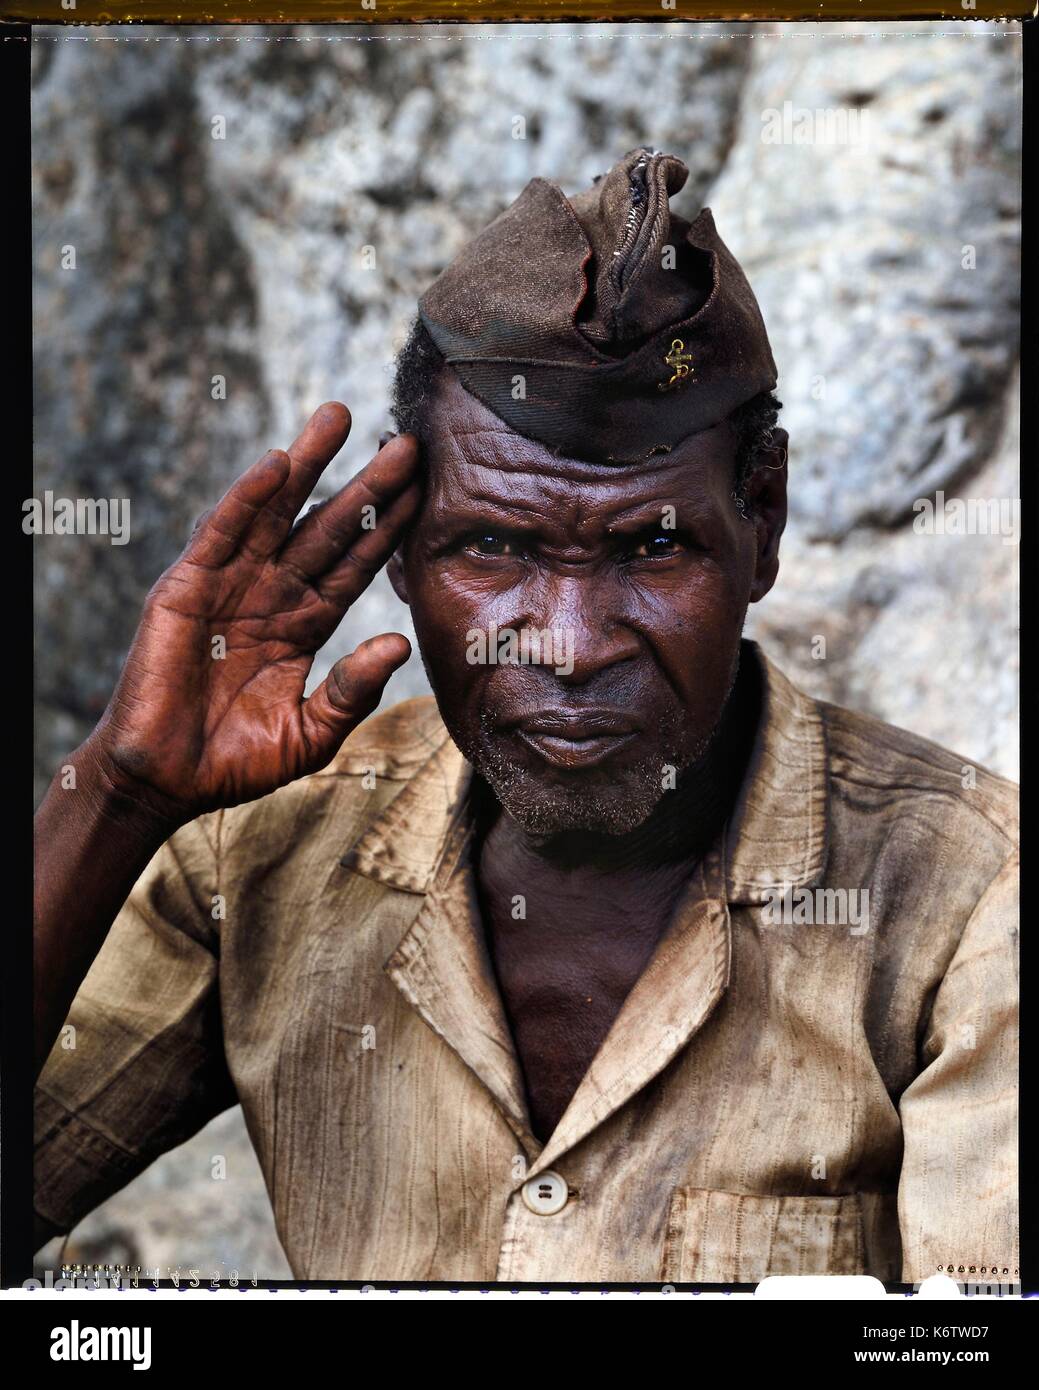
[(551, 805), (558, 816)]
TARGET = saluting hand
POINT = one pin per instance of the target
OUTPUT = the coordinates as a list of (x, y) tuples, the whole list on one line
[(209, 709)]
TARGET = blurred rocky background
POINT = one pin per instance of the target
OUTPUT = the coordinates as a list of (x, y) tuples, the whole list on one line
[(223, 190)]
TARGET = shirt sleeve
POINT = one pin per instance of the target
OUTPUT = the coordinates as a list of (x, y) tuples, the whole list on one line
[(957, 1200), (139, 1066)]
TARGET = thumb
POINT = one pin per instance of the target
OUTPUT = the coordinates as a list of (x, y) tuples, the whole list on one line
[(349, 693)]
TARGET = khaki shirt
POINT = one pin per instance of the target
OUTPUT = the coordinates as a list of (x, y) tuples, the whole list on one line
[(798, 1095)]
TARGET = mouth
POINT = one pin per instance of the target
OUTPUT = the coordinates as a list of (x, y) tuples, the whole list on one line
[(576, 739)]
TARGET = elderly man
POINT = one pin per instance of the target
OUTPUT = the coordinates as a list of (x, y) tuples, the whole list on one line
[(620, 958)]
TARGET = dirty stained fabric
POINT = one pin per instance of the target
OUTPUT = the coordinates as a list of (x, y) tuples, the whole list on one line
[(775, 1097)]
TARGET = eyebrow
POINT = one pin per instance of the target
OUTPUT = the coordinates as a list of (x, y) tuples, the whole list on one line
[(690, 509), (518, 513), (475, 504)]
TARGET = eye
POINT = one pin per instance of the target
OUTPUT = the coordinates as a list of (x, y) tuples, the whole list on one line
[(658, 546), (489, 544)]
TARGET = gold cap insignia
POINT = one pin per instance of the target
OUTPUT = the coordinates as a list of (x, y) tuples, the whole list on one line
[(681, 363)]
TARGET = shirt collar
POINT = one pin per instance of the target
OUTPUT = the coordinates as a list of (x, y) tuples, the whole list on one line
[(776, 837)]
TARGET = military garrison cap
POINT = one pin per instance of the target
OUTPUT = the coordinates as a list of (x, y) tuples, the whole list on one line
[(602, 325)]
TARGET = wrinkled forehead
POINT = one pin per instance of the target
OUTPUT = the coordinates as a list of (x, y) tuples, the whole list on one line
[(470, 449)]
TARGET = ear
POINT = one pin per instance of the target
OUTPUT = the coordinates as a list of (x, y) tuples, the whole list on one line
[(395, 570), (767, 509)]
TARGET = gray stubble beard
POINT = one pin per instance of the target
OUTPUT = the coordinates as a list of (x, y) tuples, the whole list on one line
[(598, 807)]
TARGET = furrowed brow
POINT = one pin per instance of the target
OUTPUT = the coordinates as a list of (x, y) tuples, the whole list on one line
[(479, 510), (650, 511)]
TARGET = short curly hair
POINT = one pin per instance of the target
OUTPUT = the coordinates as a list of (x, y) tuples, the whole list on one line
[(419, 362)]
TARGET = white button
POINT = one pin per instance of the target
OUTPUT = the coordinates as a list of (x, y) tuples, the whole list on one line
[(546, 1194)]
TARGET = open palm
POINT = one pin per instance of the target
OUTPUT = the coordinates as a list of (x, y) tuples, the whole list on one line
[(209, 709)]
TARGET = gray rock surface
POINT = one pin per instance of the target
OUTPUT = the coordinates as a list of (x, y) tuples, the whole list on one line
[(894, 357), (244, 257)]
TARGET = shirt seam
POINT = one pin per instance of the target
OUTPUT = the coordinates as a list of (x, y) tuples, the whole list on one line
[(938, 793), (55, 1131)]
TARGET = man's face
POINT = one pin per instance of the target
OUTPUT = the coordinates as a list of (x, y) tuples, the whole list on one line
[(636, 581)]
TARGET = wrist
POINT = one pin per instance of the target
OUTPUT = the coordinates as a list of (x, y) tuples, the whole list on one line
[(119, 798)]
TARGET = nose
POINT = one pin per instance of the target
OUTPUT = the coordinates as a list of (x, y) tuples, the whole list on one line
[(582, 612)]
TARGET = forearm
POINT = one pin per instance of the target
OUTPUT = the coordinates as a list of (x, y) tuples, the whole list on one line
[(92, 842)]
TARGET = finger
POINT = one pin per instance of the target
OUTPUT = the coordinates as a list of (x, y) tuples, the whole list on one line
[(310, 453), (349, 693), (219, 532), (385, 437), (338, 589), (365, 558), (322, 536)]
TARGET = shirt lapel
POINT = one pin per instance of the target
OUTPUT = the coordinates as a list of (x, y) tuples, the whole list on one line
[(672, 999), (421, 844), (778, 830)]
